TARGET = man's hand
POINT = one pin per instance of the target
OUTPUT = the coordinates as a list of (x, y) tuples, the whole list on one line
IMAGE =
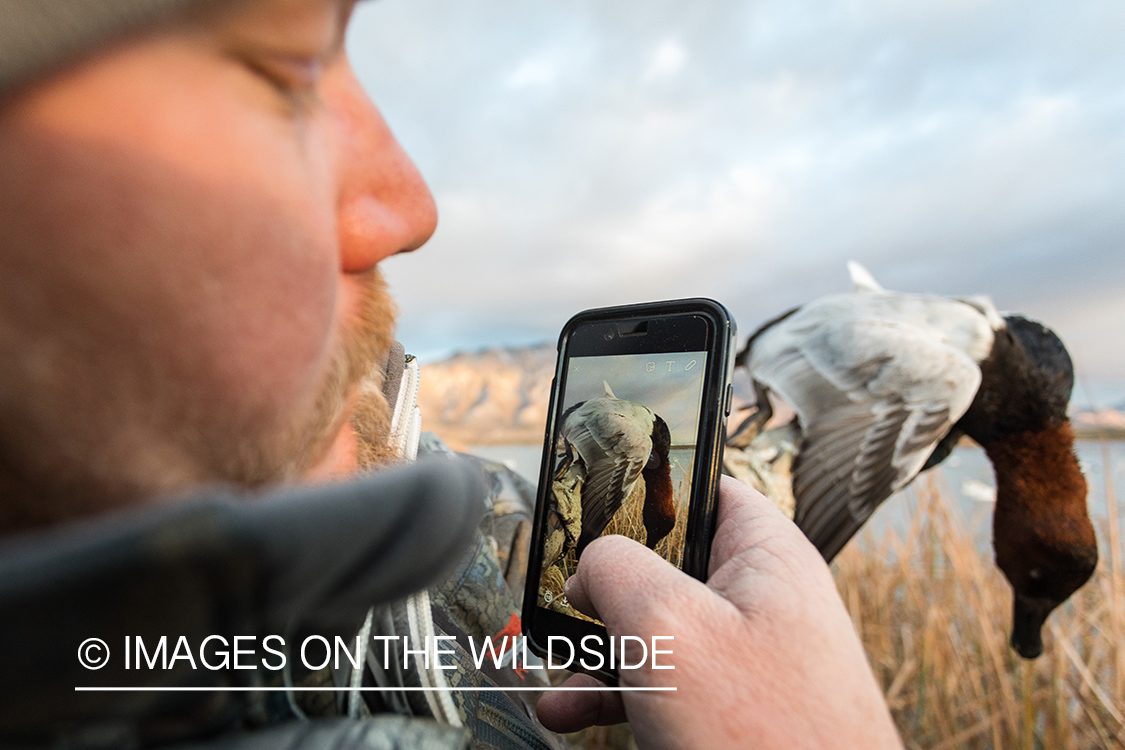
[(765, 655)]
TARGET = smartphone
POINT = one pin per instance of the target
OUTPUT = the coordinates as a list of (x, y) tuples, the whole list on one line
[(633, 446)]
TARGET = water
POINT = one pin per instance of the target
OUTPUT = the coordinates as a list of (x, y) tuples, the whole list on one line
[(522, 459), (966, 476)]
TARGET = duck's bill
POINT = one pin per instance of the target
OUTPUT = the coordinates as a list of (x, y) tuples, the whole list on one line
[(1028, 616)]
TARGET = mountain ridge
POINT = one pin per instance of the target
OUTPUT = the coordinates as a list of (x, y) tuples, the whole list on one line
[(499, 396), (493, 396)]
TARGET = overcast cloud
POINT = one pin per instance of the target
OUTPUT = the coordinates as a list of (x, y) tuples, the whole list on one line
[(589, 153)]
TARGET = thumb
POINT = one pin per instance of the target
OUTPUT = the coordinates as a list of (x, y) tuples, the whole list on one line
[(627, 586), (746, 519), (756, 550)]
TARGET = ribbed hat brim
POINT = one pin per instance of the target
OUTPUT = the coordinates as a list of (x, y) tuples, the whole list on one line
[(37, 36)]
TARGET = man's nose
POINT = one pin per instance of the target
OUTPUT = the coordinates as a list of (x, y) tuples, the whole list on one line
[(384, 206)]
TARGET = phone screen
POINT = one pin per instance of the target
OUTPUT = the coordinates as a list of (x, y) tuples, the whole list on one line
[(623, 460)]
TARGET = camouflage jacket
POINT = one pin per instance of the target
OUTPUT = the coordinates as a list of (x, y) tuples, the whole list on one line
[(480, 598), (219, 565)]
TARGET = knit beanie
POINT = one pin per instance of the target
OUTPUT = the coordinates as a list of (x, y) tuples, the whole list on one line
[(37, 36)]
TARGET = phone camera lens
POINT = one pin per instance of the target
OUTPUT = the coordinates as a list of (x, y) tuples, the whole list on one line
[(609, 335)]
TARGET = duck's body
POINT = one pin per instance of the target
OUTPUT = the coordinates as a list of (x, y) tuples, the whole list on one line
[(613, 450), (884, 384)]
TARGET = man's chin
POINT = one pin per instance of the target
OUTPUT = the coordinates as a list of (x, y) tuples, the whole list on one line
[(361, 444), (371, 425), (352, 418), (340, 460)]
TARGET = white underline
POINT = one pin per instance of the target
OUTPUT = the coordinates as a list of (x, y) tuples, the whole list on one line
[(243, 689)]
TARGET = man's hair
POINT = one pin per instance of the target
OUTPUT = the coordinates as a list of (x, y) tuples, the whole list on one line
[(38, 36)]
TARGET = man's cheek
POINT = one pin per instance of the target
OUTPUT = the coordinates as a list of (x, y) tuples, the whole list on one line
[(272, 311)]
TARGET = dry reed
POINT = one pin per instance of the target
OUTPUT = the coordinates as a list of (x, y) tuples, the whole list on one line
[(629, 521), (933, 612)]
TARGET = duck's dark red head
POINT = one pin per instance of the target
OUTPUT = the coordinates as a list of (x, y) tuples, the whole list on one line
[(1042, 534), (659, 512), (1041, 531)]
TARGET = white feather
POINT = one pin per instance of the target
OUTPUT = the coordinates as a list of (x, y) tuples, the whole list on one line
[(984, 304), (862, 280), (877, 379)]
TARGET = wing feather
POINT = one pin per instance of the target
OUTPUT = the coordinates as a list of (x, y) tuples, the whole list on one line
[(613, 439), (877, 380)]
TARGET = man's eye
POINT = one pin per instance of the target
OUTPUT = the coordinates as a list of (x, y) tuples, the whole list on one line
[(289, 74)]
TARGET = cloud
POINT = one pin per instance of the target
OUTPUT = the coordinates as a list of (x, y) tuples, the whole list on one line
[(537, 71), (669, 58), (594, 153)]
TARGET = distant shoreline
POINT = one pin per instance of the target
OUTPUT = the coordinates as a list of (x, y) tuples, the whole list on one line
[(1088, 435), (1110, 434)]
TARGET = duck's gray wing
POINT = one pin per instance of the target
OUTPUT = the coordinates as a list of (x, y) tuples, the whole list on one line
[(875, 390), (614, 448)]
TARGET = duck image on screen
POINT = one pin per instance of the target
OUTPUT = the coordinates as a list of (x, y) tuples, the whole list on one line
[(623, 457)]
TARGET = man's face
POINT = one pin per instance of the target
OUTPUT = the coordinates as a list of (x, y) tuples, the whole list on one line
[(189, 227)]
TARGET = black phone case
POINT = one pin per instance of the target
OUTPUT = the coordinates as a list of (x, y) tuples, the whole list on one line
[(715, 408)]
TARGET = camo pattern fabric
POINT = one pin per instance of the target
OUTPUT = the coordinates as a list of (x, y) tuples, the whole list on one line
[(387, 732), (480, 598)]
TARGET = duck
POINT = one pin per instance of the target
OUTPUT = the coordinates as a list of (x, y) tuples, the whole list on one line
[(611, 451), (884, 384)]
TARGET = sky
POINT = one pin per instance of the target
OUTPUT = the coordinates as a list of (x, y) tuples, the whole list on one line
[(671, 385), (599, 152)]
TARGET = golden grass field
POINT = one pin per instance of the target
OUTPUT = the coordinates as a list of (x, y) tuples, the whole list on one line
[(628, 521), (933, 612)]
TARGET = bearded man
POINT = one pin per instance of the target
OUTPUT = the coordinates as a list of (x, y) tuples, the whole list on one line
[(194, 199)]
